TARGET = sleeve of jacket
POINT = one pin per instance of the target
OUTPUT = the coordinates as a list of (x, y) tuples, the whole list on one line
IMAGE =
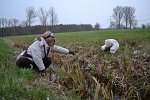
[(37, 57), (59, 49)]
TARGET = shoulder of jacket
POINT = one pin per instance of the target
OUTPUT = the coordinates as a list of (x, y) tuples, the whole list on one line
[(40, 42)]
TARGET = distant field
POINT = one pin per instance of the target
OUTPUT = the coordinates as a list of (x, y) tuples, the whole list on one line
[(91, 38), (124, 75), (94, 35)]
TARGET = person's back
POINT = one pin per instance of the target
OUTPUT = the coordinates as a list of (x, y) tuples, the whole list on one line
[(110, 45)]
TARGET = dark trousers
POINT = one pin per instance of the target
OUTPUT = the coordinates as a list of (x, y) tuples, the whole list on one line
[(24, 62)]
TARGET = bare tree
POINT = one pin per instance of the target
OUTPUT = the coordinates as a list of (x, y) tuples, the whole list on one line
[(43, 16), (129, 17), (31, 14), (23, 23), (117, 15), (15, 22), (10, 23), (97, 26), (126, 16), (143, 26), (132, 20), (53, 17), (4, 22)]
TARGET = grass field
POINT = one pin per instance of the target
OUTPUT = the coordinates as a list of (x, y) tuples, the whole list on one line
[(123, 75)]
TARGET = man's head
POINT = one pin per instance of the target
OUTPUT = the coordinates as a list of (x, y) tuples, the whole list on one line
[(49, 38), (105, 48)]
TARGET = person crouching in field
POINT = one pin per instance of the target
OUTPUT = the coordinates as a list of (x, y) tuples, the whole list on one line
[(110, 45), (36, 55)]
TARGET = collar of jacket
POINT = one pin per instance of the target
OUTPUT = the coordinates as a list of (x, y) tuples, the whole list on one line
[(43, 42)]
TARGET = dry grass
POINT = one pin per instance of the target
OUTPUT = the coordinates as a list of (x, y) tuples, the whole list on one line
[(94, 74)]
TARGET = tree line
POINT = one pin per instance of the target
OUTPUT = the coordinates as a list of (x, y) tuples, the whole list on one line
[(39, 29)]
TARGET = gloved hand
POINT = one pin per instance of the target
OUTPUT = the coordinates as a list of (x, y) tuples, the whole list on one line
[(72, 52), (41, 73)]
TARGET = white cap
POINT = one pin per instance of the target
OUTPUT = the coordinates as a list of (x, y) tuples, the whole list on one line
[(103, 47)]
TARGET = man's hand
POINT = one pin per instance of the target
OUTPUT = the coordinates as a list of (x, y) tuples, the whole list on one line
[(72, 52)]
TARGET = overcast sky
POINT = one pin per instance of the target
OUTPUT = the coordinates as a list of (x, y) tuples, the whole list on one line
[(76, 11)]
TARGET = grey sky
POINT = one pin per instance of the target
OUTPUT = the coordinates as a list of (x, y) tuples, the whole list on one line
[(76, 11)]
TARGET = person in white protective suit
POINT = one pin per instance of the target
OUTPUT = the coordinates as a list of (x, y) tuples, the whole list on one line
[(110, 45), (36, 55)]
